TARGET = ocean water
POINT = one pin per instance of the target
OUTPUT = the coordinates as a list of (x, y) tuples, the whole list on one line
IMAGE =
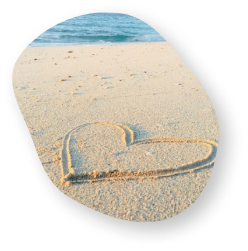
[(98, 28)]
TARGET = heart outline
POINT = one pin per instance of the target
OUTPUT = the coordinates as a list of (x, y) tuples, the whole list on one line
[(128, 139)]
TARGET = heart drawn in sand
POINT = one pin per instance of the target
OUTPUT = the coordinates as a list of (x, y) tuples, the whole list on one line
[(97, 152)]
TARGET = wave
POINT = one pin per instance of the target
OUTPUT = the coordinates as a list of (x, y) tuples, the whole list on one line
[(87, 40)]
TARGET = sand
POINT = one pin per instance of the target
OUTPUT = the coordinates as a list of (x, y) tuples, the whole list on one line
[(126, 130)]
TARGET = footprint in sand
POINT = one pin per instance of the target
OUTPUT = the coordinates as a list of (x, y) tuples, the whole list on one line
[(104, 151)]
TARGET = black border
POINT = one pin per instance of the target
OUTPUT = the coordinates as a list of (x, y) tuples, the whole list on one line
[(225, 175)]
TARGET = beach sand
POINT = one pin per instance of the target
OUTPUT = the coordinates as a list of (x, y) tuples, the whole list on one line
[(145, 92)]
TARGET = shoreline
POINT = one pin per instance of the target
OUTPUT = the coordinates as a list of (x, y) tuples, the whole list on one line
[(100, 44)]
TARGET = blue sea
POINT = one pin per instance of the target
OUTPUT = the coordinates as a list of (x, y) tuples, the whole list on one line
[(98, 29)]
